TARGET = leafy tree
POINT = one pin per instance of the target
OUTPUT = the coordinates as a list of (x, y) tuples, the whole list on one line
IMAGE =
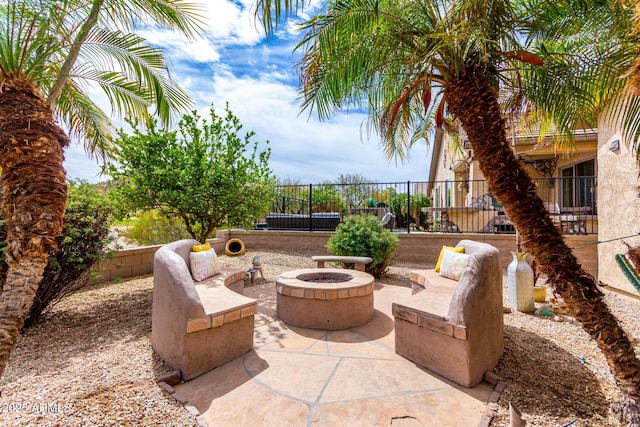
[(383, 195), (205, 173), (356, 189), (53, 55), (411, 62)]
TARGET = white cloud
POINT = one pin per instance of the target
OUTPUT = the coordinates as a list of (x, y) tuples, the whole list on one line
[(224, 23), (232, 22), (234, 63), (302, 147)]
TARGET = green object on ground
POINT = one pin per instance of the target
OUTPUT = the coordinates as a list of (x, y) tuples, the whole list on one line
[(628, 270)]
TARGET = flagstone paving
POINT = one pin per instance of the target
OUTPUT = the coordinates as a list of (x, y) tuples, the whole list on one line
[(305, 377)]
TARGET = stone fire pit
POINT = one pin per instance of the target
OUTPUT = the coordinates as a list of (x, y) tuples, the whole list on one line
[(325, 298)]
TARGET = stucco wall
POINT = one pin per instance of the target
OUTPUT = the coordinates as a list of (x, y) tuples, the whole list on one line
[(618, 205)]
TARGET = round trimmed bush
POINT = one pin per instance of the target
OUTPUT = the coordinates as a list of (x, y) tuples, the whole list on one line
[(363, 235)]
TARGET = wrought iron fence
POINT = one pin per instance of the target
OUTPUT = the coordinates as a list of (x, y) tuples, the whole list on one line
[(437, 206)]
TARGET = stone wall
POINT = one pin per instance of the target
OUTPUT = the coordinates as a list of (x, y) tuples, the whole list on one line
[(415, 249), (139, 261)]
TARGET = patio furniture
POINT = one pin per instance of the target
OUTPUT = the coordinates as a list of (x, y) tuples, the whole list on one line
[(566, 222), (388, 221), (198, 326), (359, 262), (502, 224), (320, 221), (444, 225), (455, 328)]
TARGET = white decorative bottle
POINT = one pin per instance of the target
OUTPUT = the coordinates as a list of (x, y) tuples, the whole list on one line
[(520, 283)]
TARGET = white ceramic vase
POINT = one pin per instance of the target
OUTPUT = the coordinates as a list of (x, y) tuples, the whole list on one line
[(520, 283)]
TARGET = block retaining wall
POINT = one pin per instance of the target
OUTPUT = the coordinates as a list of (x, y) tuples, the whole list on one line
[(415, 249)]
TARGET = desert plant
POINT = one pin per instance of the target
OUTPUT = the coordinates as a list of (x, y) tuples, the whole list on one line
[(326, 198), (398, 205), (85, 240), (363, 235), (153, 228), (419, 201)]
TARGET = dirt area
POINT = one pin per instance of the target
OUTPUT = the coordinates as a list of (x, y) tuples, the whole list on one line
[(90, 362)]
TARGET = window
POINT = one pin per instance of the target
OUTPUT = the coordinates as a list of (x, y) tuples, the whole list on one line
[(578, 186)]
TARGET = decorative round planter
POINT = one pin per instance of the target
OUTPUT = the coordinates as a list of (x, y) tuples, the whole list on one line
[(520, 283), (234, 247)]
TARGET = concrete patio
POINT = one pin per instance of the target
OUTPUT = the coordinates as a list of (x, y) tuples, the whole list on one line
[(298, 377)]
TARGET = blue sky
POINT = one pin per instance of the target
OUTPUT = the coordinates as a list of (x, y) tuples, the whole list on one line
[(235, 62)]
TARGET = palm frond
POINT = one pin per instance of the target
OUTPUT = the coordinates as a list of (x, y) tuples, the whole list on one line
[(26, 42), (66, 45), (579, 82), (378, 54), (625, 112), (270, 12), (86, 121), (179, 15), (142, 80)]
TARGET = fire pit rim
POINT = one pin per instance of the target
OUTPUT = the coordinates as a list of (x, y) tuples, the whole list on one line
[(330, 276), (289, 279)]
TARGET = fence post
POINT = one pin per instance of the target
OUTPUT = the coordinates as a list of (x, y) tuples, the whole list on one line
[(310, 207), (408, 206)]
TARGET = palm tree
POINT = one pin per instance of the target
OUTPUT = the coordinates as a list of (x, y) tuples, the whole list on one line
[(634, 70), (410, 62), (53, 55)]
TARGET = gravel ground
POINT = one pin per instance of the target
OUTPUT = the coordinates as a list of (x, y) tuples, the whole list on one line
[(90, 362)]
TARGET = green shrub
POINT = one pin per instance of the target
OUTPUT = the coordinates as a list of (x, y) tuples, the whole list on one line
[(326, 198), (85, 240), (398, 205), (155, 229), (363, 235)]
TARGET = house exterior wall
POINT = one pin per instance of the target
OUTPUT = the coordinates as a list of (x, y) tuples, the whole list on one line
[(443, 173), (618, 205)]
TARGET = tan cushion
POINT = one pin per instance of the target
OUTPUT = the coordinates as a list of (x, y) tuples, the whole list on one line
[(203, 264), (453, 264), (459, 249)]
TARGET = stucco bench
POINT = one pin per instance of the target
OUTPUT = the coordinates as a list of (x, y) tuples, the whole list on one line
[(359, 262), (454, 329), (198, 326)]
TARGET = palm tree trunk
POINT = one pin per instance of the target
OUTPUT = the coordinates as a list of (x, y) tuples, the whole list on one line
[(475, 104), (34, 195)]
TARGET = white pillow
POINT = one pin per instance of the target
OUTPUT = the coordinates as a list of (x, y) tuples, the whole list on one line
[(203, 264), (453, 264)]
